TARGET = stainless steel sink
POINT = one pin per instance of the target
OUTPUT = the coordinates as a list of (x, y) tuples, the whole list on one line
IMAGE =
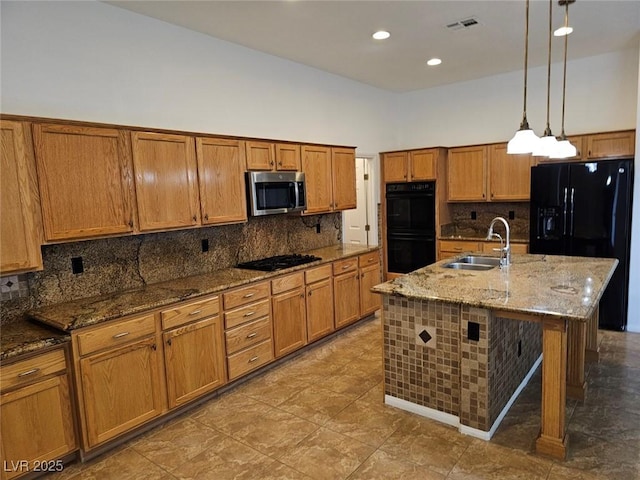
[(468, 266), (474, 262)]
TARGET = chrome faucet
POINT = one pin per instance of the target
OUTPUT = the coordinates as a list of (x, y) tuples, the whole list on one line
[(505, 252)]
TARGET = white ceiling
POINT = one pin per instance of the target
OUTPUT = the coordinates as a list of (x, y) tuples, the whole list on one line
[(335, 36)]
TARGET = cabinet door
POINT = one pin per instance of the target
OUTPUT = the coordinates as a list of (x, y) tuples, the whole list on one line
[(166, 180), (20, 223), (121, 389), (346, 303), (319, 309), (369, 301), (343, 162), (287, 157), (260, 156), (395, 167), (423, 164), (85, 181), (510, 175), (221, 175), (194, 360), (289, 322), (466, 175), (36, 424), (316, 165), (614, 144)]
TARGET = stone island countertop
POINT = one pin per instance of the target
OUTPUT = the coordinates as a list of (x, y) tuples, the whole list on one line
[(91, 311), (554, 285)]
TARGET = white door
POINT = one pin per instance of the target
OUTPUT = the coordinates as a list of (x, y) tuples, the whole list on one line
[(355, 221)]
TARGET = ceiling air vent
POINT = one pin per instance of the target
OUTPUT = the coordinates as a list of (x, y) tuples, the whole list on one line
[(463, 24)]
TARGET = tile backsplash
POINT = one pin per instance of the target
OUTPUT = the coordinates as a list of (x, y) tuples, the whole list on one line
[(473, 219), (123, 263)]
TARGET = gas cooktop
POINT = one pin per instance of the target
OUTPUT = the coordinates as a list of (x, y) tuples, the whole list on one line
[(278, 262)]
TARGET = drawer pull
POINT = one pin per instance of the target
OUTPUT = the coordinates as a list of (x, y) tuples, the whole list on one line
[(28, 372), (457, 249), (371, 260), (195, 312), (249, 295), (253, 359), (248, 314), (251, 335), (121, 334), (344, 267)]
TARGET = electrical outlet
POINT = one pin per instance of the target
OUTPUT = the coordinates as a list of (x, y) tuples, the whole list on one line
[(205, 245), (519, 347), (473, 331), (512, 214), (318, 227), (77, 265), (473, 215)]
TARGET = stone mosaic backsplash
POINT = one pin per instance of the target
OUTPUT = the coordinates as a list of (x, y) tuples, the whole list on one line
[(463, 224), (123, 263)]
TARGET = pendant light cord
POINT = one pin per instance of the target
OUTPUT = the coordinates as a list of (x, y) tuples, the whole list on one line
[(547, 131), (525, 124), (564, 72)]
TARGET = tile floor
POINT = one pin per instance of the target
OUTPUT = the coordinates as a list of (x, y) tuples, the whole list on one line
[(321, 416)]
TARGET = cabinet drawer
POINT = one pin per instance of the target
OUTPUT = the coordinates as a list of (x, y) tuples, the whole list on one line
[(246, 314), (346, 265), (487, 247), (318, 273), (250, 359), (187, 312), (459, 246), (25, 371), (249, 334), (369, 259), (288, 282), (245, 295), (115, 334)]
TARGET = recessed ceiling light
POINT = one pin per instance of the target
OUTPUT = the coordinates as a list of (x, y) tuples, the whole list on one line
[(562, 31), (434, 61), (381, 35)]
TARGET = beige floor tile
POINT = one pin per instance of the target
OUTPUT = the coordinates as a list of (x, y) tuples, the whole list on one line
[(229, 412), (327, 455), (560, 472), (318, 404), (350, 381), (382, 466), (273, 389)]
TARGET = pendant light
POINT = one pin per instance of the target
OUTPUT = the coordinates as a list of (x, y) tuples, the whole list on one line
[(548, 143), (525, 140), (564, 148)]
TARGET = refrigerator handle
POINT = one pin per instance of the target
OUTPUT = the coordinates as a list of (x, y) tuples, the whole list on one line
[(564, 212), (573, 191)]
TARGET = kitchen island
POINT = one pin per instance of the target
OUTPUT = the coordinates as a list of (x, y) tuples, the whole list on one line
[(460, 344)]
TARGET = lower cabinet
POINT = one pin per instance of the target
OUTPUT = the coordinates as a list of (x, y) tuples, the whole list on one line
[(370, 276), (319, 302), (36, 418), (346, 288), (289, 314)]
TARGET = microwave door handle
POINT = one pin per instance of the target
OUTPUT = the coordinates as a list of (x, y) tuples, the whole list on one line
[(296, 189)]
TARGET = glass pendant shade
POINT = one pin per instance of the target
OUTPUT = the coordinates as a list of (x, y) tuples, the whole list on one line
[(524, 141), (547, 145), (564, 149)]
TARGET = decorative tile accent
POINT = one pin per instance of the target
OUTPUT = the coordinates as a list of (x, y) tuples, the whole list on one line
[(14, 286)]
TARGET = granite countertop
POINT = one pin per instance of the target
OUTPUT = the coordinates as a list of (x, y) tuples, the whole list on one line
[(25, 337), (480, 239), (549, 285), (91, 311)]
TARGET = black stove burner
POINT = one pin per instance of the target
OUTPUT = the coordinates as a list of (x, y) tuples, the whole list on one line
[(278, 262)]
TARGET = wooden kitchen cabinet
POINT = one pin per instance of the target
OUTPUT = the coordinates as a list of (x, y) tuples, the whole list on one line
[(288, 156), (119, 377), (346, 291), (509, 175), (289, 314), (166, 181), (410, 166), (467, 174), (36, 416), (194, 355), (267, 156), (578, 141), (487, 247), (453, 248), (20, 216), (610, 144), (221, 179), (85, 178), (370, 275), (343, 172), (330, 178), (319, 303)]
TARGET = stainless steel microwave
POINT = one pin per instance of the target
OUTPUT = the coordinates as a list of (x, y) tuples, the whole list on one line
[(276, 192)]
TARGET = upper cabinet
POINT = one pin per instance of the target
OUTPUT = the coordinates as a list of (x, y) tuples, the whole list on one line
[(84, 173), (330, 177), (410, 166), (612, 144), (509, 175), (221, 177), (20, 221), (272, 156), (166, 180), (467, 174)]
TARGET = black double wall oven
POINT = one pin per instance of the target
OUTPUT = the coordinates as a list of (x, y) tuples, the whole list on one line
[(411, 226)]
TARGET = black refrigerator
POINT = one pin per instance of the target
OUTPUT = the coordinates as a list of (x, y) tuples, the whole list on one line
[(584, 209)]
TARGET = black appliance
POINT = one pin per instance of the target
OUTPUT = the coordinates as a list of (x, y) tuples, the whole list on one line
[(278, 262), (584, 209), (411, 226)]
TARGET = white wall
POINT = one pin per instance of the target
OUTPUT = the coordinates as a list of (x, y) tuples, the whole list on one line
[(633, 317)]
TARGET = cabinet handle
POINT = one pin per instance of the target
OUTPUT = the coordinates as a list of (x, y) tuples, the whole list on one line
[(154, 347), (302, 295), (206, 216), (169, 342), (195, 312), (251, 335), (130, 223), (483, 195), (280, 163), (309, 293), (121, 334), (249, 295), (362, 275), (271, 163), (195, 219), (457, 249), (28, 372), (253, 359), (371, 260), (248, 314), (344, 267)]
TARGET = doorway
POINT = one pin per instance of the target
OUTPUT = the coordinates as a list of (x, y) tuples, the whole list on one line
[(359, 226)]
